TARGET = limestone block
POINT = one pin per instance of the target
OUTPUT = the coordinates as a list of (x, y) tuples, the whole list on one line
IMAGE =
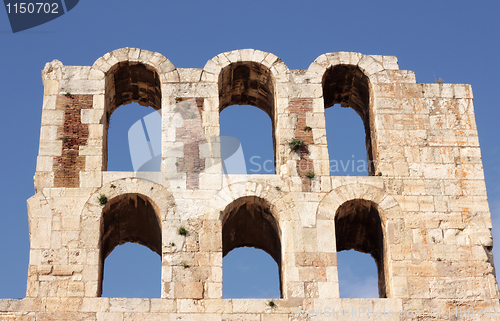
[(307, 213), (63, 304), (109, 316), (41, 229), (212, 67), (249, 306), (92, 116), (326, 233), (163, 305), (189, 290), (129, 305), (275, 317), (390, 62), (82, 86), (49, 102), (189, 306), (51, 87), (233, 56), (44, 163), (328, 290), (370, 65), (90, 179), (52, 117), (189, 74), (446, 90), (270, 60)]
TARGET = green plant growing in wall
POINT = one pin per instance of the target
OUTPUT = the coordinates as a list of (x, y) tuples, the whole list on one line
[(310, 175), (307, 128), (182, 231), (68, 94), (272, 304), (295, 144), (178, 99), (112, 186), (102, 199)]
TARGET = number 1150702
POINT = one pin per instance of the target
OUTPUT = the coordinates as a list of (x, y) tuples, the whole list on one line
[(32, 7)]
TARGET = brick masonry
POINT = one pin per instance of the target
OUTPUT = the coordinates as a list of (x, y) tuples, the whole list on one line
[(73, 134), (299, 108)]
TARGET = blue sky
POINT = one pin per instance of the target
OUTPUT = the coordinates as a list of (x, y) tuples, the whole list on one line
[(457, 41)]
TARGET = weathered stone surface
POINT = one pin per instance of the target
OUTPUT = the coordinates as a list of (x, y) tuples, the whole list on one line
[(422, 214)]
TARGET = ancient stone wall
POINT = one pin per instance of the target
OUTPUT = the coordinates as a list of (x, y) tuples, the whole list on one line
[(422, 213)]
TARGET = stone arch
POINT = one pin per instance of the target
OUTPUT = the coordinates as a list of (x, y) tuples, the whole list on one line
[(249, 221), (154, 60), (248, 77), (131, 75), (278, 69), (161, 197), (348, 86), (237, 190), (347, 79), (236, 194), (273, 100), (99, 222), (370, 205), (387, 205), (240, 229), (370, 65)]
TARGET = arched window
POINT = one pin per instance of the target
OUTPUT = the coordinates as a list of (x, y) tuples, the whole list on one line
[(131, 82), (130, 218), (347, 86), (248, 83), (358, 227), (248, 222)]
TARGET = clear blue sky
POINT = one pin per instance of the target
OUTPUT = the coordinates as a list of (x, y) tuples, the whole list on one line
[(457, 41)]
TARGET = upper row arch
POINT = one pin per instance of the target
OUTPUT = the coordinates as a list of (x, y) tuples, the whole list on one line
[(368, 64)]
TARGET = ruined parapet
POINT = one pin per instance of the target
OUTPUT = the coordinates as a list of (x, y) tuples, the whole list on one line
[(422, 213)]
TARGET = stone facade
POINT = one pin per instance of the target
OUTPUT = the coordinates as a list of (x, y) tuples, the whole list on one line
[(422, 213)]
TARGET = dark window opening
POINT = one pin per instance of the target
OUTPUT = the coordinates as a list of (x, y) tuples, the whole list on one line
[(129, 218), (126, 83), (248, 83), (246, 130), (248, 222), (348, 86), (358, 227)]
